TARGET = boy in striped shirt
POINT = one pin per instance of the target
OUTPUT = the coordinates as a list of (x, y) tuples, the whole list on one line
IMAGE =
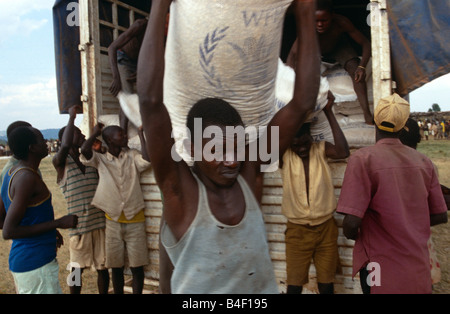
[(78, 183)]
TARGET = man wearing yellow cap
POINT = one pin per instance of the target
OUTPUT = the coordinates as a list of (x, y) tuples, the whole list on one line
[(391, 196)]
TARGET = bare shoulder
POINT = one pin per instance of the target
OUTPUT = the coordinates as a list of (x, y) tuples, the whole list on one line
[(343, 22), (25, 181)]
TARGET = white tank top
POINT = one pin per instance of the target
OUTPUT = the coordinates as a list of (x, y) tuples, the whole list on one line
[(216, 258)]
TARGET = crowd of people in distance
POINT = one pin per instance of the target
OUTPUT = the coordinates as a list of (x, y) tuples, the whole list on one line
[(434, 129)]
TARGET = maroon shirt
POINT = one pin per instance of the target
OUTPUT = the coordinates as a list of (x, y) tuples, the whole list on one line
[(394, 189)]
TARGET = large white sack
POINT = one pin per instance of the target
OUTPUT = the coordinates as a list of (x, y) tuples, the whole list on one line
[(284, 90), (223, 49), (356, 131), (347, 109), (130, 107), (341, 84), (320, 129)]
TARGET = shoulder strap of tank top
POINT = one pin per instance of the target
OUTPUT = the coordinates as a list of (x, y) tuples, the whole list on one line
[(248, 193), (22, 168), (14, 173), (202, 196)]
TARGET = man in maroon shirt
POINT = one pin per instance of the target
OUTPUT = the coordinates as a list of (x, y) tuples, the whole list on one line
[(391, 196)]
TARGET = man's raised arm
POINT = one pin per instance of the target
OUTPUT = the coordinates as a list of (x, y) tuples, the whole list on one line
[(59, 160), (307, 80), (150, 74)]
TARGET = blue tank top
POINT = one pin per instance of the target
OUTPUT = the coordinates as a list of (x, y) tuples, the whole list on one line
[(30, 253)]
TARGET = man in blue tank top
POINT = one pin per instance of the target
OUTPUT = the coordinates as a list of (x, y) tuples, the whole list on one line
[(29, 219)]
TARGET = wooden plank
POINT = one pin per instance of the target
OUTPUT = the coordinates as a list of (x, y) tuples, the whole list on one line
[(90, 65), (381, 60)]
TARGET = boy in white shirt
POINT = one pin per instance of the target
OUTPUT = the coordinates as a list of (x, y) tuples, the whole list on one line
[(120, 196)]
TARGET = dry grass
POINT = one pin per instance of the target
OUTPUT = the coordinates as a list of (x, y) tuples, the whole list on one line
[(438, 151)]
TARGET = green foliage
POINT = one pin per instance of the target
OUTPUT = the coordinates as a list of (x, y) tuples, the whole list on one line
[(435, 108)]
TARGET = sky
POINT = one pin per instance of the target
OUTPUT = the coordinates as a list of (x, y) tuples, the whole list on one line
[(27, 69)]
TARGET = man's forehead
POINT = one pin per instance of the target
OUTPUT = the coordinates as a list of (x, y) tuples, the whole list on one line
[(225, 133)]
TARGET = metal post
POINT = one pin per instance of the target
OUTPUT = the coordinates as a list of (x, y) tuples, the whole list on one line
[(381, 52), (89, 62)]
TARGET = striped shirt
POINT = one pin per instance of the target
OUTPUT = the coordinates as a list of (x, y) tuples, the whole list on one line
[(78, 189)]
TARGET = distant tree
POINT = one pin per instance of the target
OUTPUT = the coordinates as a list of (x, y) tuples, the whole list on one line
[(435, 108)]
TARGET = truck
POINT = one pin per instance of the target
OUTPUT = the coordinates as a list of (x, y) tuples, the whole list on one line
[(400, 62)]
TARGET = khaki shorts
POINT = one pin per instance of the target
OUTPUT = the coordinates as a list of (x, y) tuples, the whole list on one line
[(88, 249), (305, 243), (129, 238)]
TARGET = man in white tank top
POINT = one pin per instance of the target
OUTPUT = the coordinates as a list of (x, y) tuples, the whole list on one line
[(214, 231)]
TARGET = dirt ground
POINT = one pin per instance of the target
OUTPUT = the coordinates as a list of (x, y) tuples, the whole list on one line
[(438, 151)]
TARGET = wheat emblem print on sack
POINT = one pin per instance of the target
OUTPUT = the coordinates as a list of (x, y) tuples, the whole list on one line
[(207, 49)]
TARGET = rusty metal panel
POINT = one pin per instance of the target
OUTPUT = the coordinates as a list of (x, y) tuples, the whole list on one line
[(419, 39), (67, 57)]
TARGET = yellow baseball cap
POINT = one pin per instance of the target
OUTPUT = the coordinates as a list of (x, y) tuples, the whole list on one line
[(391, 113)]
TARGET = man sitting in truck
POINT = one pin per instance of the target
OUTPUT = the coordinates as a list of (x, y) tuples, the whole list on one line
[(333, 31)]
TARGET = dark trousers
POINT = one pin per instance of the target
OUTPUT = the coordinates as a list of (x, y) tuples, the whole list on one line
[(363, 274)]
